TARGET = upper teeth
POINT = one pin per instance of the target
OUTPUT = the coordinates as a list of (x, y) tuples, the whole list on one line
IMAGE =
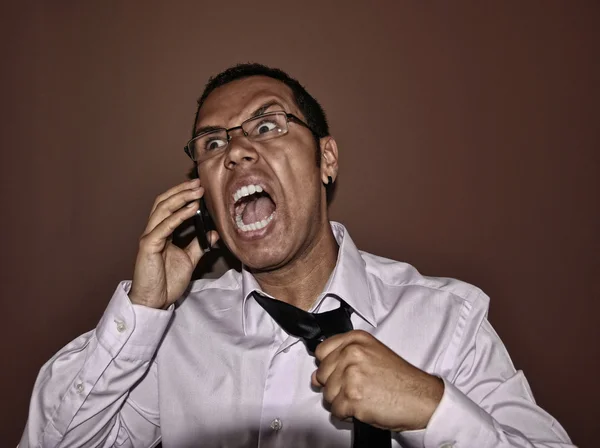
[(246, 190)]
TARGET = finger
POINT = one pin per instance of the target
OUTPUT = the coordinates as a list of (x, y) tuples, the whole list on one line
[(334, 385), (341, 407), (171, 205), (194, 250), (313, 380), (327, 366), (187, 185), (337, 341), (155, 240), (213, 236), (330, 344), (354, 349)]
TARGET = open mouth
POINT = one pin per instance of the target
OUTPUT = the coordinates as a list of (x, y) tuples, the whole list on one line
[(253, 208)]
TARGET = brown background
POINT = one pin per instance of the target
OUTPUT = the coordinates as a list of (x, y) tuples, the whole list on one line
[(468, 136)]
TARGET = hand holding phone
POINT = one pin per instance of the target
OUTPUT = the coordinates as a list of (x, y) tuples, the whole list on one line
[(162, 269)]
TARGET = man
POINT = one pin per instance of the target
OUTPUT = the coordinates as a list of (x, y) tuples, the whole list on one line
[(217, 370)]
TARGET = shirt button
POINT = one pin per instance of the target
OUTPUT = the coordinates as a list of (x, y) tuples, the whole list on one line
[(447, 445), (121, 327), (276, 424), (79, 387)]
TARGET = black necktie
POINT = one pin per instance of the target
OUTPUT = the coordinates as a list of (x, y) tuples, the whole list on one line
[(313, 329)]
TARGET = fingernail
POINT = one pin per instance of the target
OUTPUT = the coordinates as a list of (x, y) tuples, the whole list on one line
[(191, 204)]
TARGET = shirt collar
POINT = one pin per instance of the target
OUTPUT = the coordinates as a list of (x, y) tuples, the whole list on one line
[(348, 281)]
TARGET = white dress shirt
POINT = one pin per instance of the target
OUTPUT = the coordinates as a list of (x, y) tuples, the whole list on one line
[(217, 371)]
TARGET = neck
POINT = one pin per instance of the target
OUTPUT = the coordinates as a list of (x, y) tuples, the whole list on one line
[(299, 283)]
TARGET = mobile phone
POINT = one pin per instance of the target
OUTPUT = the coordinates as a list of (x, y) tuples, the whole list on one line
[(203, 223)]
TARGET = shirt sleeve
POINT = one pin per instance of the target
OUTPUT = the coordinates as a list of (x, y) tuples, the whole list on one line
[(486, 402), (101, 389)]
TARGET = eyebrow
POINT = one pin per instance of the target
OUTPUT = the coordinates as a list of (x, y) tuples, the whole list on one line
[(261, 110), (205, 129)]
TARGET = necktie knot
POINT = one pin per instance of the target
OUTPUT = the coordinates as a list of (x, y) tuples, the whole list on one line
[(312, 328)]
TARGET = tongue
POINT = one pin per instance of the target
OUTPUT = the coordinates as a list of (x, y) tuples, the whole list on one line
[(258, 210)]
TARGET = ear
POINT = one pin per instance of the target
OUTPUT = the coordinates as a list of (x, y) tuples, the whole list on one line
[(329, 158)]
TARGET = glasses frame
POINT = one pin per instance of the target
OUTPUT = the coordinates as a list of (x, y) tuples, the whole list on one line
[(288, 118)]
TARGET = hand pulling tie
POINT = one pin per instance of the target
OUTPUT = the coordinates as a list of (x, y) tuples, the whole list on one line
[(314, 329)]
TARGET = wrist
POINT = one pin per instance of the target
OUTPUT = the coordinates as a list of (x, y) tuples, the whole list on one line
[(137, 299), (427, 398), (432, 398)]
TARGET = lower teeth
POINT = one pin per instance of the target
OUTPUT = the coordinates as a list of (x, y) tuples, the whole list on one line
[(255, 225)]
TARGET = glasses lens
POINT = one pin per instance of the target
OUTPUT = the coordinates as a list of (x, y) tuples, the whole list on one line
[(266, 126), (208, 145)]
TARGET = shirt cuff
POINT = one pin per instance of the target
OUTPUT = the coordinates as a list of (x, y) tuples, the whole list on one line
[(131, 331), (457, 421)]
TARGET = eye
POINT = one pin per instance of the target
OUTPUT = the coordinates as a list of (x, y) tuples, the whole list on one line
[(265, 126), (214, 143)]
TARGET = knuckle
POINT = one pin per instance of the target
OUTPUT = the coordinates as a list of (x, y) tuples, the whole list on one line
[(337, 407), (354, 384), (361, 335), (160, 205), (319, 351), (359, 413), (353, 374), (173, 223), (158, 199), (340, 407), (354, 352), (147, 244), (143, 240), (354, 391)]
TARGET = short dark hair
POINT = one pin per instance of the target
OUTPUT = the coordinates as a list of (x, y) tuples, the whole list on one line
[(311, 109)]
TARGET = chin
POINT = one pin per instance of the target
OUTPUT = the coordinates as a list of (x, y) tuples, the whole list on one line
[(262, 257)]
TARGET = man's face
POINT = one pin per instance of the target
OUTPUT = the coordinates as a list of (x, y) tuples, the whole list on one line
[(292, 203)]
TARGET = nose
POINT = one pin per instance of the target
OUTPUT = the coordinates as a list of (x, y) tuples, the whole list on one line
[(240, 151)]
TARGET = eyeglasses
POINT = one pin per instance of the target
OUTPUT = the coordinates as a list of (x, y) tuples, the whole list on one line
[(256, 129)]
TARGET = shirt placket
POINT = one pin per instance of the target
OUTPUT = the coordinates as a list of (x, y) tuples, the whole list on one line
[(278, 397)]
